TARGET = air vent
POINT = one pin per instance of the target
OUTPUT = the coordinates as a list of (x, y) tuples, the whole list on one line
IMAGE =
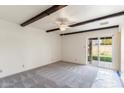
[(104, 23)]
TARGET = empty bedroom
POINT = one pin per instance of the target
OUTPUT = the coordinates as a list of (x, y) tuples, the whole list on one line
[(61, 46)]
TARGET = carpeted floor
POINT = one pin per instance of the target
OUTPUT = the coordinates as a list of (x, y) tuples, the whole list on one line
[(56, 75)]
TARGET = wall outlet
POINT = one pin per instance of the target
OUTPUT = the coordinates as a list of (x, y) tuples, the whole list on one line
[(1, 71)]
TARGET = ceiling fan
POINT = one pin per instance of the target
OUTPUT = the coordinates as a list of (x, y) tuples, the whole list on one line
[(63, 23)]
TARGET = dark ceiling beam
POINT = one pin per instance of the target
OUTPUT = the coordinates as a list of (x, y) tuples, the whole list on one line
[(91, 20), (43, 14), (96, 29)]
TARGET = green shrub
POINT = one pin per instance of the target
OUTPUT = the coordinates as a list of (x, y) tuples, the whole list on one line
[(106, 59)]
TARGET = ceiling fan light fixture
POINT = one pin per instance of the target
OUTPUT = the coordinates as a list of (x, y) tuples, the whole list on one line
[(63, 27)]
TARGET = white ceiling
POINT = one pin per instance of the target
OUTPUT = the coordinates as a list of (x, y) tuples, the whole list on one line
[(74, 13), (20, 13)]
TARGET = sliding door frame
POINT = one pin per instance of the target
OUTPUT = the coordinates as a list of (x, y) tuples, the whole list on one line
[(98, 38)]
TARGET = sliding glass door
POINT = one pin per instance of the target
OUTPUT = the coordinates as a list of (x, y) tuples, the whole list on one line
[(100, 51)]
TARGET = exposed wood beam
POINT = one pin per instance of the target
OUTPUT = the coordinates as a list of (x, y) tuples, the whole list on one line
[(43, 14), (91, 20), (96, 29), (53, 30)]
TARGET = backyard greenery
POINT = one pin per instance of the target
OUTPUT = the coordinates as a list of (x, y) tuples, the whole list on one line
[(106, 41), (106, 59)]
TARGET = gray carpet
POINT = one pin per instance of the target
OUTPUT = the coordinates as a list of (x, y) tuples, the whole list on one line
[(56, 75)]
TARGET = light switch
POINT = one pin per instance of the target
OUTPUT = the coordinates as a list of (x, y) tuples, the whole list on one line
[(1, 71)]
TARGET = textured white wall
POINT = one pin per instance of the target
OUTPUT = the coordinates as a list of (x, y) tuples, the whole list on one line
[(26, 46)]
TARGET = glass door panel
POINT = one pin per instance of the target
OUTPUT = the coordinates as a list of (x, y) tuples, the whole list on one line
[(93, 51), (105, 52)]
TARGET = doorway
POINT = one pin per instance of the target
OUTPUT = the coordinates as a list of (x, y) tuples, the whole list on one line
[(100, 51)]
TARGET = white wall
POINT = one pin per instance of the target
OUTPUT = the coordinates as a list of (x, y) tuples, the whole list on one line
[(74, 46), (122, 51), (26, 46)]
